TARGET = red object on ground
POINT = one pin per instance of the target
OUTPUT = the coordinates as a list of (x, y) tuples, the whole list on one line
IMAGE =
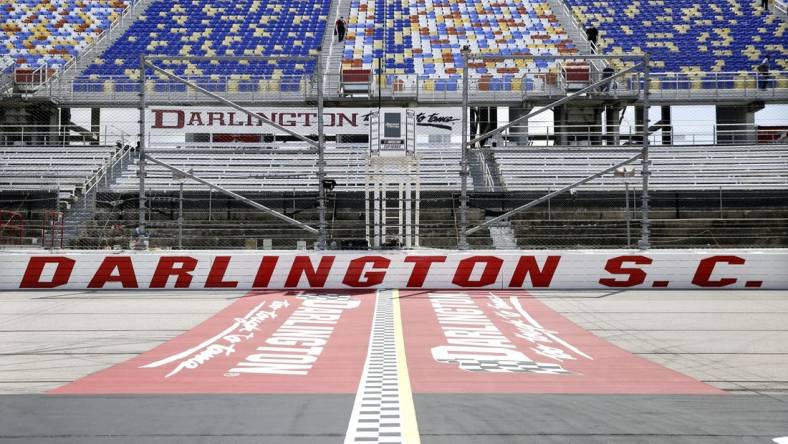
[(232, 352), (455, 342), (570, 359)]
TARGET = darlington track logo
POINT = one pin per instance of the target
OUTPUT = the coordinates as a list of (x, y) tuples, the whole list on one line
[(475, 344), (291, 350)]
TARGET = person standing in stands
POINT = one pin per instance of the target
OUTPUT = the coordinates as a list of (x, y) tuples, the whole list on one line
[(592, 34), (763, 74), (340, 27), (606, 74), (765, 4)]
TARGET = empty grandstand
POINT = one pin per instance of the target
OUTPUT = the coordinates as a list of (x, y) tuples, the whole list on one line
[(52, 33), (210, 29), (726, 36), (440, 146)]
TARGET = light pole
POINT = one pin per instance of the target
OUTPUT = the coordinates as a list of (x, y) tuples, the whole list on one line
[(624, 172)]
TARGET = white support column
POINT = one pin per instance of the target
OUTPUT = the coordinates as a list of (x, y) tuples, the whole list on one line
[(376, 215), (401, 214), (367, 197), (383, 209), (417, 201), (408, 213)]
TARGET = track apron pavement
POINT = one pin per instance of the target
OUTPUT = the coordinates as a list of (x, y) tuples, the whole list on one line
[(389, 366)]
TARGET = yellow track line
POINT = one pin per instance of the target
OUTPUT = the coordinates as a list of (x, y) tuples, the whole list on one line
[(408, 422)]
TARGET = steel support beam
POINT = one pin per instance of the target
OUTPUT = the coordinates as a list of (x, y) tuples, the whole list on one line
[(550, 106), (322, 240), (462, 242), (645, 222), (234, 105), (548, 196), (227, 192), (141, 151)]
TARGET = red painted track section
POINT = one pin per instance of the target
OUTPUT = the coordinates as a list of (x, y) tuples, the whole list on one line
[(266, 342), (529, 348), (455, 342)]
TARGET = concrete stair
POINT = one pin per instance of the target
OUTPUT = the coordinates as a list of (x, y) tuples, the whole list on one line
[(502, 236), (332, 49), (572, 27)]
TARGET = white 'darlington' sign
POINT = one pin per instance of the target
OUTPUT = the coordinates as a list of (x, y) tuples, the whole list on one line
[(219, 120)]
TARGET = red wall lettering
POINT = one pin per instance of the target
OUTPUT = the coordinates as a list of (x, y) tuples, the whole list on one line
[(539, 278), (421, 268), (264, 271), (32, 276), (166, 268), (636, 275), (125, 276), (462, 276), (706, 266), (216, 274), (356, 268), (303, 265)]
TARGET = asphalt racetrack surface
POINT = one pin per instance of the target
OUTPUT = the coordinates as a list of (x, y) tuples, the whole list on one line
[(394, 366)]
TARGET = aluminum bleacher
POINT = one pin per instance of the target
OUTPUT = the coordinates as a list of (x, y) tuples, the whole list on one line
[(672, 168), (283, 171), (67, 170)]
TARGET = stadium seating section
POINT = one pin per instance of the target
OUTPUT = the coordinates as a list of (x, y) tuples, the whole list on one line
[(49, 33), (421, 37), (425, 36), (220, 28), (672, 168), (40, 168), (689, 35), (280, 171)]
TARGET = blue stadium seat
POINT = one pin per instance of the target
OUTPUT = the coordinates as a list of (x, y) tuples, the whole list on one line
[(688, 35), (50, 33), (220, 28)]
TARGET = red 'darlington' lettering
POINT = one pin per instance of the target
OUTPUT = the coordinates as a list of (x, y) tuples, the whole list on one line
[(265, 271), (217, 272), (35, 267), (303, 265), (421, 268), (636, 275), (706, 266), (355, 270), (539, 278), (125, 276), (492, 265), (166, 268)]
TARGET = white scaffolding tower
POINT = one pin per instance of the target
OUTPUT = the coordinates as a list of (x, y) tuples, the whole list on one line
[(392, 190)]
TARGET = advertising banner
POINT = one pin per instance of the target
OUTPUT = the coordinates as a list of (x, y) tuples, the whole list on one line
[(566, 269), (165, 121)]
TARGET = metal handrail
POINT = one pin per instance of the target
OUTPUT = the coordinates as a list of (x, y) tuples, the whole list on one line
[(781, 7), (107, 167)]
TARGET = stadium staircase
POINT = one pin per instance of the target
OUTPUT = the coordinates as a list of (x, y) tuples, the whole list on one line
[(502, 235), (571, 26), (332, 50)]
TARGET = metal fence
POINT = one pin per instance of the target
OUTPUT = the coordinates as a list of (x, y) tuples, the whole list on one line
[(499, 183)]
